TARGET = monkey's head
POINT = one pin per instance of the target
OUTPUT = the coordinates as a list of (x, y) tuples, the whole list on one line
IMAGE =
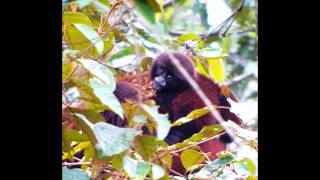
[(166, 76)]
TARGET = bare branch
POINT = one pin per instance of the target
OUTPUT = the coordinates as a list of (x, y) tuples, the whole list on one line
[(197, 143), (74, 69), (76, 163), (238, 79)]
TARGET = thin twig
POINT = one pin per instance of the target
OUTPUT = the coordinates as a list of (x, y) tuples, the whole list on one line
[(197, 143), (205, 155), (103, 63), (76, 163), (74, 69), (238, 79), (104, 20), (217, 30), (176, 173), (67, 98), (221, 25)]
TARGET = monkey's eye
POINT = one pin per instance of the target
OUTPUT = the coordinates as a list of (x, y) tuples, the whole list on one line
[(169, 76), (160, 70)]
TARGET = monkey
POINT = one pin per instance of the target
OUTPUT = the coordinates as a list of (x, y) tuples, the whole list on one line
[(176, 97)]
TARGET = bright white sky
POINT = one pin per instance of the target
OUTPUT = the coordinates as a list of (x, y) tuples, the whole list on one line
[(218, 11)]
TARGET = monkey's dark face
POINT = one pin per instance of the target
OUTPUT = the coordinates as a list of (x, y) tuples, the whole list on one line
[(165, 80)]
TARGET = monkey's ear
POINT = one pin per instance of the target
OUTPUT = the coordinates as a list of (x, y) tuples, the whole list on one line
[(227, 92)]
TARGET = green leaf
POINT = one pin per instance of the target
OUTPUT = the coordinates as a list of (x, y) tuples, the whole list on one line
[(191, 116), (122, 53), (76, 18), (78, 41), (81, 146), (157, 171), (89, 153), (100, 71), (90, 100), (106, 97), (163, 123), (227, 43), (66, 70), (74, 174), (147, 146), (108, 40), (146, 63), (191, 37), (145, 35), (211, 53), (137, 170), (246, 166), (111, 139), (191, 157), (101, 7), (156, 5), (104, 85), (92, 116), (66, 145), (91, 35), (146, 11), (85, 126), (252, 178), (117, 161), (83, 3), (206, 133), (72, 135), (209, 169)]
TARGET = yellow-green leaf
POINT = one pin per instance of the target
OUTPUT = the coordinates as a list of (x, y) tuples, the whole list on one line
[(83, 39), (191, 37), (91, 35), (76, 18), (156, 5), (206, 133), (252, 178), (191, 116), (191, 157), (117, 161), (216, 69), (147, 146), (246, 166), (201, 68)]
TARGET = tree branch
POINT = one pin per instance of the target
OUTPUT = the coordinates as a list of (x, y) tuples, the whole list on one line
[(197, 143), (103, 63), (238, 79), (76, 163), (218, 29), (74, 69)]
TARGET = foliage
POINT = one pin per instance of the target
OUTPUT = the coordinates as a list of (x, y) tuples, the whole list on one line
[(104, 40)]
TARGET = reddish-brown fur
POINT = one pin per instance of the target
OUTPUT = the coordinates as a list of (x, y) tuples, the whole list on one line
[(182, 102)]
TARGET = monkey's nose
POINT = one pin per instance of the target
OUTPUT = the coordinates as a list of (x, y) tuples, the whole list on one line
[(161, 81)]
